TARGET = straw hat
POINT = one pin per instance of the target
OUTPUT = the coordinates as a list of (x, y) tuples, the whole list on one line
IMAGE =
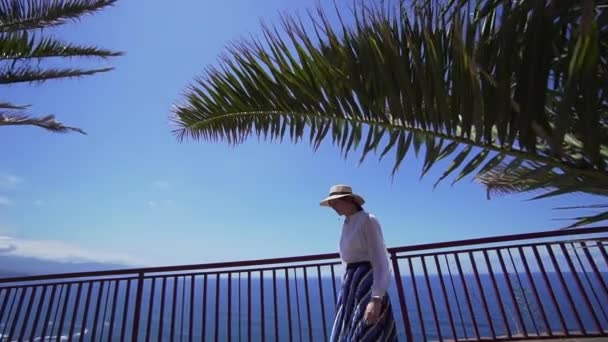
[(341, 191)]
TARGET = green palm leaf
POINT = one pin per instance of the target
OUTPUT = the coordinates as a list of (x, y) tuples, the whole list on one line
[(35, 74), (23, 53), (24, 46), (47, 122), (524, 79), (17, 15)]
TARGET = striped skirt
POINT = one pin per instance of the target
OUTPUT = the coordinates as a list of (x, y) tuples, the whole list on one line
[(349, 325)]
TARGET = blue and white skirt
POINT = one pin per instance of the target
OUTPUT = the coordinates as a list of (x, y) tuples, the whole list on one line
[(349, 325)]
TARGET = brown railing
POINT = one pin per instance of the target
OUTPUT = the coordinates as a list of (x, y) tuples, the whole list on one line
[(529, 286)]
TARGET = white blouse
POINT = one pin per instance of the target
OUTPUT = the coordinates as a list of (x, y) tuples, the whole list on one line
[(361, 240)]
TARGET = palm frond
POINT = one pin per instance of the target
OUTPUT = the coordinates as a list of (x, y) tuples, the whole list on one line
[(34, 74), (524, 81), (17, 15), (24, 46), (446, 79), (47, 122), (8, 105), (520, 176)]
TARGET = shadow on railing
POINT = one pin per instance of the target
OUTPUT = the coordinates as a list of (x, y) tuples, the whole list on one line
[(528, 286)]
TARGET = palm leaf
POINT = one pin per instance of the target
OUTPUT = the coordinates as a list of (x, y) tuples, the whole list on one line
[(7, 105), (47, 122), (24, 46), (17, 15), (514, 79), (31, 74)]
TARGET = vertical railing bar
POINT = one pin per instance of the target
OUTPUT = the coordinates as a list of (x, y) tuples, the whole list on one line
[(216, 330), (97, 307), (295, 280), (161, 319), (460, 315), (191, 318), (276, 310), (521, 286), (105, 310), (113, 312), (578, 282), (566, 289), (551, 292), (28, 310), (49, 309), (85, 317), (467, 295), (586, 275), (288, 304), (17, 315), (497, 293), (125, 311), (10, 309), (7, 293), (512, 291), (428, 287), (181, 324), (306, 293), (64, 310), (262, 305), (15, 322), (483, 295), (229, 318), (173, 309), (535, 290), (596, 270), (75, 314), (150, 307), (445, 297), (333, 284), (416, 296), (249, 306), (401, 295), (38, 312), (602, 247), (138, 303), (322, 303), (204, 329), (57, 308), (239, 308)]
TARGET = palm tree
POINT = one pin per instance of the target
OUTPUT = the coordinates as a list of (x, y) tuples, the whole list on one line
[(26, 47), (515, 91)]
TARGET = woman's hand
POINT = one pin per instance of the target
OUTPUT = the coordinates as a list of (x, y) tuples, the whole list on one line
[(372, 311)]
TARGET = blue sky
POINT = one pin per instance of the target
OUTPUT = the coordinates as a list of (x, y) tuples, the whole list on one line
[(130, 192)]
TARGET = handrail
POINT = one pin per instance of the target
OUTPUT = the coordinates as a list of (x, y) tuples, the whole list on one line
[(306, 258)]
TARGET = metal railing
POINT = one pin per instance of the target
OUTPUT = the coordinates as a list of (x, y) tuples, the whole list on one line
[(527, 286)]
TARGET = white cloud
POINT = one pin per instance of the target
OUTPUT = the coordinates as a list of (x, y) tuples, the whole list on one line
[(5, 202), (39, 202), (161, 184), (9, 181), (59, 251), (152, 204)]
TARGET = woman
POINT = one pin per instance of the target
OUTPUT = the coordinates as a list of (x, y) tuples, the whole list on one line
[(363, 311)]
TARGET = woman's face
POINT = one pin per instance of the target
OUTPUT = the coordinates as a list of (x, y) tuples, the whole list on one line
[(343, 206)]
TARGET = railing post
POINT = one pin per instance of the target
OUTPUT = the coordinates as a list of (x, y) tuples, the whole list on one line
[(137, 314), (404, 314)]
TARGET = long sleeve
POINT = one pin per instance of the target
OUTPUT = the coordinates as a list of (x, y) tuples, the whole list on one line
[(372, 235)]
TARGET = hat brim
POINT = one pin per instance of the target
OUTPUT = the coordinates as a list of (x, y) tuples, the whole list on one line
[(358, 199)]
